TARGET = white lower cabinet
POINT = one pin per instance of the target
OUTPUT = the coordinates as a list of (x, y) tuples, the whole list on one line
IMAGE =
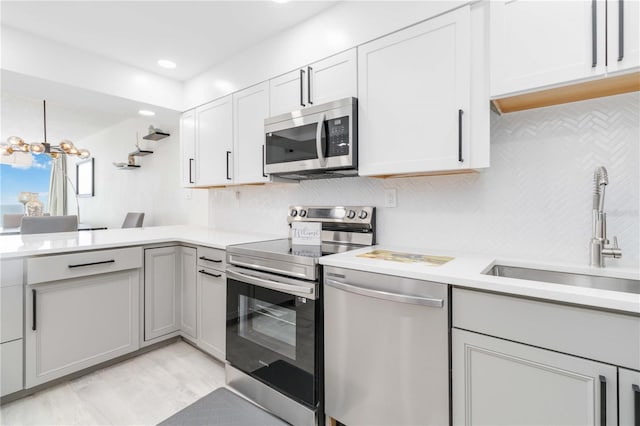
[(498, 382), (188, 299), (212, 318), (11, 327), (161, 291), (11, 367), (79, 322), (629, 397)]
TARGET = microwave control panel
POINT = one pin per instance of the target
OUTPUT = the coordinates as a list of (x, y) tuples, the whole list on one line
[(338, 137)]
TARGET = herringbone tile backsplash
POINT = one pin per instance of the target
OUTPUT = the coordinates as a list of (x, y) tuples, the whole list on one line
[(534, 201)]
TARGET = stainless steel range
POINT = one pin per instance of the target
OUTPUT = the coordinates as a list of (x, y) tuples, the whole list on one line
[(274, 312)]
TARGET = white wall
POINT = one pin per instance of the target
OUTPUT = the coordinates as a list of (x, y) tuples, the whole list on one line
[(339, 28), (153, 189), (533, 202)]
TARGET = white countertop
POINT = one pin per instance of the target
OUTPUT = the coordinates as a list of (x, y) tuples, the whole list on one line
[(466, 271), (37, 244)]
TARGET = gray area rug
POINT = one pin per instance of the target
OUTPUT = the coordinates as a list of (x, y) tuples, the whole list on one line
[(222, 408)]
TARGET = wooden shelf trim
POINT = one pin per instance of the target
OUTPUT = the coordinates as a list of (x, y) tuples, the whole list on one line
[(607, 86)]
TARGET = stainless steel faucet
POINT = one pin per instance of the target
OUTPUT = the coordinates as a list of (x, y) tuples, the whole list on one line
[(599, 241)]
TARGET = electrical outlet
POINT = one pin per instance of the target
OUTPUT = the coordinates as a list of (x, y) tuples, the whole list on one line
[(391, 197)]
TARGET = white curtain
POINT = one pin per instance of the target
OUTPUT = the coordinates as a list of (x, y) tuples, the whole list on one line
[(57, 187)]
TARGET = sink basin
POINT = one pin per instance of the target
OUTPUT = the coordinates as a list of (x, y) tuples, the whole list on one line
[(566, 278)]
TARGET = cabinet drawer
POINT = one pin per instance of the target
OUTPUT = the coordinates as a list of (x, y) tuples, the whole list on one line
[(11, 313), (212, 258), (11, 367), (590, 333), (53, 268), (10, 272)]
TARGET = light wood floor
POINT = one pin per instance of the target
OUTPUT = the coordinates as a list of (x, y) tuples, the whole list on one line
[(141, 391)]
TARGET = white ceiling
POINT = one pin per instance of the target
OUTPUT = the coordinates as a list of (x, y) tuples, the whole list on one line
[(195, 34)]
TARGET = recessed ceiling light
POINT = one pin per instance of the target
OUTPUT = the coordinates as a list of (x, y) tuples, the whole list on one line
[(146, 112), (281, 1), (165, 63)]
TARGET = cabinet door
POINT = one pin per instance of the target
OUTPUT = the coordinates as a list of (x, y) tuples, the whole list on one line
[(498, 382), (412, 86), (188, 291), (188, 148), (629, 394), (80, 322), (11, 362), (212, 312), (161, 291), (536, 44), (214, 143), (288, 92), (333, 78), (623, 35), (250, 108)]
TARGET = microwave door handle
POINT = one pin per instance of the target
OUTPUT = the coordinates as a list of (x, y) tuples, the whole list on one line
[(319, 147)]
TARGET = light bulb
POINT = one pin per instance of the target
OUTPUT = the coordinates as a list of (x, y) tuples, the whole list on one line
[(36, 148), (73, 151), (15, 140), (24, 147), (54, 154), (6, 149), (83, 153), (66, 145)]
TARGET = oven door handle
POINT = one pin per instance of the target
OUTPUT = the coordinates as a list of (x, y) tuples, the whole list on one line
[(384, 295), (273, 285), (319, 145)]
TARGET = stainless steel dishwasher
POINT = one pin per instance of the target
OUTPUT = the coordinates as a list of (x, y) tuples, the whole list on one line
[(386, 349)]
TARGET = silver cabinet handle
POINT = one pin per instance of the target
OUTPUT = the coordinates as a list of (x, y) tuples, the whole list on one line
[(273, 285), (319, 147), (384, 295)]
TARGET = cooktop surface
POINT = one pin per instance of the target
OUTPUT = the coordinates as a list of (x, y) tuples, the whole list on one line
[(283, 247)]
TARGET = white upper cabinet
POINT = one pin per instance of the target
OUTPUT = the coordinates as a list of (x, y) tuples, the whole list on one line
[(538, 44), (415, 98), (333, 78), (323, 81), (250, 108), (214, 143), (188, 148), (623, 37)]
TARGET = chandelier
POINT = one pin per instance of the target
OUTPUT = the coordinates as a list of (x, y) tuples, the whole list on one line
[(66, 147)]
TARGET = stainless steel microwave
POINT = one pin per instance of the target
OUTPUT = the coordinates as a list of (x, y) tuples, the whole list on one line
[(316, 142)]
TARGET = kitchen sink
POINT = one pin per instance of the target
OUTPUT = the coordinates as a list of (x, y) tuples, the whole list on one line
[(566, 278)]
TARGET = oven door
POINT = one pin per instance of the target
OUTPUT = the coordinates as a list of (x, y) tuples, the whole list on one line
[(322, 140), (271, 331)]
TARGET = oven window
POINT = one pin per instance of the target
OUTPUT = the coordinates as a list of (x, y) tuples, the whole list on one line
[(268, 325)]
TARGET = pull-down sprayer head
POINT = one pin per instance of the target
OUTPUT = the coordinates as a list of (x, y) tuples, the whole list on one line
[(600, 180)]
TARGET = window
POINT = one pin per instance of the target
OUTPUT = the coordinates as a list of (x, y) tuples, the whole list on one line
[(17, 178)]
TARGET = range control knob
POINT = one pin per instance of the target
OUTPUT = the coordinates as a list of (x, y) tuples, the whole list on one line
[(351, 214), (293, 213), (303, 213), (363, 214)]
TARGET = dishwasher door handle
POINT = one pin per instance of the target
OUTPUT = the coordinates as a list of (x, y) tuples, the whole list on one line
[(385, 295)]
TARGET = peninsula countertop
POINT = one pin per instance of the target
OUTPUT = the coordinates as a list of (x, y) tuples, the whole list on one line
[(12, 246)]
